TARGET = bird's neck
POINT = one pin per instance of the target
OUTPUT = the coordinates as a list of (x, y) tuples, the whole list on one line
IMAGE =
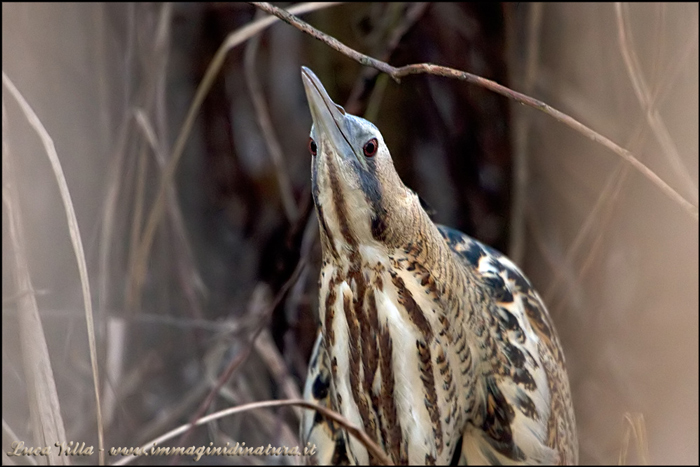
[(404, 238)]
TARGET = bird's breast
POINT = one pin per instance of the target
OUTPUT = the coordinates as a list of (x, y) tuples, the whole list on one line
[(394, 358)]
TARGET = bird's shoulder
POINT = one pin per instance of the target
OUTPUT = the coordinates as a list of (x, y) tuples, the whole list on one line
[(526, 410), (506, 284)]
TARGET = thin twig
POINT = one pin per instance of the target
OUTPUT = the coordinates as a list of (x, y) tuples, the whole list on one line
[(413, 12), (305, 250), (336, 417), (427, 68), (583, 230), (516, 244), (607, 200), (144, 96), (40, 383), (268, 352), (76, 241), (191, 279), (243, 355), (268, 132), (641, 90), (176, 411), (231, 326), (272, 426)]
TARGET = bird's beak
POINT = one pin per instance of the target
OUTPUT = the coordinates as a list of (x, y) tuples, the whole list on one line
[(329, 118)]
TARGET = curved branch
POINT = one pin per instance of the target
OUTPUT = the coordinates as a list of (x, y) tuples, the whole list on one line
[(428, 68), (336, 417)]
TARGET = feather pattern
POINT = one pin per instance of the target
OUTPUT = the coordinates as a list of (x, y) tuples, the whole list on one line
[(433, 343), (504, 403)]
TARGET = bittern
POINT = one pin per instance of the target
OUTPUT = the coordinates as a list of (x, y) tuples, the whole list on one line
[(433, 343)]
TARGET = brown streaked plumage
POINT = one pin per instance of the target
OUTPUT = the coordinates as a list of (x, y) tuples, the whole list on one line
[(435, 344)]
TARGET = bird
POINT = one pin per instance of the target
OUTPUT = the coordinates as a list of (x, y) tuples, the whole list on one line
[(434, 344)]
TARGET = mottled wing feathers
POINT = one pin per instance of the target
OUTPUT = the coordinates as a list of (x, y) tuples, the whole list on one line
[(524, 409)]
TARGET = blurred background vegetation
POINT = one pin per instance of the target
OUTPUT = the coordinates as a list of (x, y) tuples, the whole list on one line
[(614, 258)]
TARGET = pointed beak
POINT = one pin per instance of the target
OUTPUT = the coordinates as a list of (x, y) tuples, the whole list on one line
[(328, 117)]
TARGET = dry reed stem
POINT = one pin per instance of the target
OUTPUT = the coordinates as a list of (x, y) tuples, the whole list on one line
[(115, 349), (44, 405), (132, 295), (428, 68), (192, 283), (336, 417), (77, 243), (146, 94), (606, 217), (232, 40), (585, 228), (151, 95), (269, 353), (274, 148), (635, 425), (413, 13), (646, 101), (516, 244), (116, 163), (243, 355), (589, 224)]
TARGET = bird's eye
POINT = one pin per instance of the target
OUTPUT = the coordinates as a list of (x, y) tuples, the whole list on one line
[(371, 147), (312, 147)]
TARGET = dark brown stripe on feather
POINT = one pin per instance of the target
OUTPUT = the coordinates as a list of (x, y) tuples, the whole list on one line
[(330, 311), (355, 359), (415, 314), (431, 399), (390, 420), (339, 206), (325, 233)]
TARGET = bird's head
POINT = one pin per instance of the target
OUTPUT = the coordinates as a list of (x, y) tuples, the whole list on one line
[(359, 197)]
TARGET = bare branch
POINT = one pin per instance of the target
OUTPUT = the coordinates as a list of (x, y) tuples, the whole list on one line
[(427, 68), (336, 417), (245, 353), (516, 245)]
